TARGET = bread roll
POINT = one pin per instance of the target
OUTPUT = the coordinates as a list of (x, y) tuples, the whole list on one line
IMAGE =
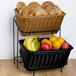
[(20, 5)]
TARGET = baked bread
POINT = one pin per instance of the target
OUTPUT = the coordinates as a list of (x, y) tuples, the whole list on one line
[(34, 9), (20, 5), (56, 10), (48, 5), (51, 8), (33, 5), (37, 9), (21, 10), (40, 12), (28, 12)]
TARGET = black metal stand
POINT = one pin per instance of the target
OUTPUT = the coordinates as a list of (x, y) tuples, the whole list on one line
[(33, 73), (16, 58), (13, 43), (61, 69)]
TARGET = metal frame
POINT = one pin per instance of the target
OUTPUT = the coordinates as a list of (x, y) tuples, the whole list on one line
[(17, 57)]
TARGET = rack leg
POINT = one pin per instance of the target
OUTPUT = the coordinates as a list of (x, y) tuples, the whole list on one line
[(61, 69), (20, 60), (60, 33), (67, 62), (13, 43), (33, 73), (17, 46)]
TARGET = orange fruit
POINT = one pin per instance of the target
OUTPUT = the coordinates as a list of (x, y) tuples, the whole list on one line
[(57, 45), (47, 41), (53, 39), (44, 40), (61, 40)]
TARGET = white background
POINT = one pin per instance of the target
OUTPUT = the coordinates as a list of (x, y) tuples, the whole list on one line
[(6, 16)]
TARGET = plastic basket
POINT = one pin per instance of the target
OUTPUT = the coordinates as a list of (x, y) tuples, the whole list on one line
[(43, 59)]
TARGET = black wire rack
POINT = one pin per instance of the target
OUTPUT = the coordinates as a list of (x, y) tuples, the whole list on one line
[(17, 58)]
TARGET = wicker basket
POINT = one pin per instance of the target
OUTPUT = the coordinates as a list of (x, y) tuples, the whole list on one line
[(39, 23)]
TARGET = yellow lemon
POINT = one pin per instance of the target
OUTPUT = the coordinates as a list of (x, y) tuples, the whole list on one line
[(47, 41), (61, 40), (57, 44), (53, 39)]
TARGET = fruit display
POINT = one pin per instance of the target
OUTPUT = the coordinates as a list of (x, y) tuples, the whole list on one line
[(52, 39), (52, 43), (32, 43), (57, 44), (65, 45), (54, 48), (47, 41), (45, 46), (61, 40)]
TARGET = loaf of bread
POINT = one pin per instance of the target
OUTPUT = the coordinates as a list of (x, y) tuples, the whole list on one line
[(21, 10), (55, 11), (48, 5), (31, 9), (51, 8), (40, 12), (20, 5), (35, 9), (33, 5), (28, 12)]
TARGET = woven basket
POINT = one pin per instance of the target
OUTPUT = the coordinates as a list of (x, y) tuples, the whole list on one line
[(39, 23), (35, 60)]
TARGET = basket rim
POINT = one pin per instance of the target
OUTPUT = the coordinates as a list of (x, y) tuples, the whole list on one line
[(15, 10), (60, 50)]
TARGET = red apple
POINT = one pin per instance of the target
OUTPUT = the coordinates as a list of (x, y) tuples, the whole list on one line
[(45, 46), (54, 49), (65, 45)]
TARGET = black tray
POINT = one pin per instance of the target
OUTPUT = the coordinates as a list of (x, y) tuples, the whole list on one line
[(35, 60)]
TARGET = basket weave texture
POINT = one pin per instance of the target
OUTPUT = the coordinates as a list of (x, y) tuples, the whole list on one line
[(35, 60), (39, 23)]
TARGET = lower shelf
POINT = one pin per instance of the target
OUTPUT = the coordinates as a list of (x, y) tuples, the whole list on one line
[(36, 60)]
